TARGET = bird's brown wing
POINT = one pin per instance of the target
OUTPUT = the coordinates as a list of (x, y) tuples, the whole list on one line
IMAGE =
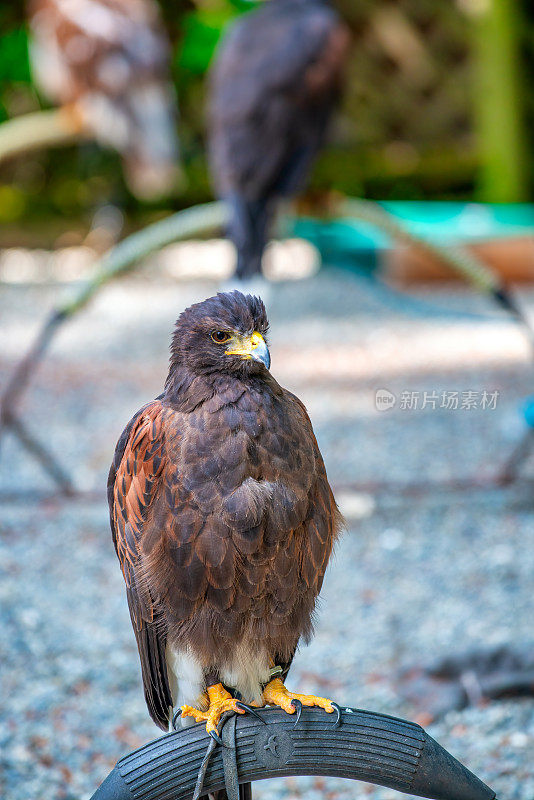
[(114, 78), (324, 520), (133, 479), (132, 32), (320, 529)]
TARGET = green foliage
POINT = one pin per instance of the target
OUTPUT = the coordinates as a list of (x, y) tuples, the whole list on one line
[(14, 65), (406, 129), (200, 36), (201, 31)]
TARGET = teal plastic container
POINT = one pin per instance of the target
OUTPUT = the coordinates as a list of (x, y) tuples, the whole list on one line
[(357, 245)]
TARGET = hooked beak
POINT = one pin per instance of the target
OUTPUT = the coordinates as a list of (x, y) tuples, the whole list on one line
[(253, 347), (260, 352)]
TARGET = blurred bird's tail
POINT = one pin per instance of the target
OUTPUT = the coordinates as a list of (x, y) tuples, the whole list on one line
[(248, 230)]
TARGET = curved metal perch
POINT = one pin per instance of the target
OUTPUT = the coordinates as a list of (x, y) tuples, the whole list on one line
[(366, 746), (185, 224), (458, 258), (119, 260), (40, 129)]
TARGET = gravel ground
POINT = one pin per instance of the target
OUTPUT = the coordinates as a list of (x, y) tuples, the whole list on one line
[(418, 574)]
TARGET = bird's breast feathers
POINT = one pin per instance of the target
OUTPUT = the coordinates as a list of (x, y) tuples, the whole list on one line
[(239, 458), (223, 522)]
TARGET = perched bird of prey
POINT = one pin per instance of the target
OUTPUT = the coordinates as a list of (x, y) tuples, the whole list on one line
[(223, 521), (275, 82), (107, 62)]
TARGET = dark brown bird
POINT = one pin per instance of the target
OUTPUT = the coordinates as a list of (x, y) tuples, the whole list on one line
[(223, 521), (275, 82), (107, 62)]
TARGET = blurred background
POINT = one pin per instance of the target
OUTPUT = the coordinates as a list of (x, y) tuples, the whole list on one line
[(417, 384), (439, 104)]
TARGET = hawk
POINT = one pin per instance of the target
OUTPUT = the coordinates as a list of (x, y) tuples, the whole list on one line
[(223, 521), (107, 63), (274, 85)]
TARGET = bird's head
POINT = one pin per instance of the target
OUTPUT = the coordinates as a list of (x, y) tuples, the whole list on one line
[(223, 334)]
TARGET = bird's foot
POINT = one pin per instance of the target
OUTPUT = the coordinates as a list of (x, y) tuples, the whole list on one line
[(276, 694), (220, 701)]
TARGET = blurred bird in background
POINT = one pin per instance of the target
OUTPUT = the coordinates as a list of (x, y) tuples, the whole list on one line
[(106, 62), (274, 84)]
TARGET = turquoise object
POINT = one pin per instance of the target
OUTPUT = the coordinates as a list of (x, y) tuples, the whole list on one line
[(528, 411), (356, 245), (451, 223), (343, 244)]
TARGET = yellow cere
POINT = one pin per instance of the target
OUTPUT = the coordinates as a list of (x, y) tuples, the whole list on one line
[(246, 345)]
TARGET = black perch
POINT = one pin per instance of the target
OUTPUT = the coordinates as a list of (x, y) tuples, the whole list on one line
[(275, 82), (365, 746)]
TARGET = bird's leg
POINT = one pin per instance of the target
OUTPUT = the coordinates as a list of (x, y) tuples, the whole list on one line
[(220, 701), (276, 694)]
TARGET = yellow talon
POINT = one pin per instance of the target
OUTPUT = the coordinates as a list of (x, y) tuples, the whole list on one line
[(219, 701), (276, 694)]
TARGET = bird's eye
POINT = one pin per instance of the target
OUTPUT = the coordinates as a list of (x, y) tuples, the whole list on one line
[(220, 336)]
